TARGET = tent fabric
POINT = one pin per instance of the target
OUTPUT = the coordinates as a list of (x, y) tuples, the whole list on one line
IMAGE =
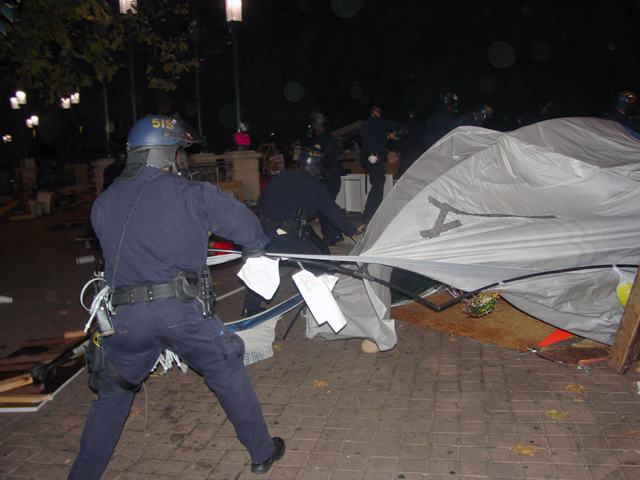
[(481, 207)]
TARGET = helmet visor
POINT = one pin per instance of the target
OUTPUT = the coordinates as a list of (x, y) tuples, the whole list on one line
[(189, 134)]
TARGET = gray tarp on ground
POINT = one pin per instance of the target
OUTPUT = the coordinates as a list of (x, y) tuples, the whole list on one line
[(483, 206)]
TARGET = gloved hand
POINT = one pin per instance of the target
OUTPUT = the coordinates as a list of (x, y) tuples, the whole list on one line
[(248, 254)]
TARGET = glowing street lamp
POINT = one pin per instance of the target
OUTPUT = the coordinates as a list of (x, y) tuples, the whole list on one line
[(32, 121), (234, 10), (22, 97), (127, 6)]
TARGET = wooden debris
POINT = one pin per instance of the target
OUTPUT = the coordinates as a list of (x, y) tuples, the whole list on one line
[(6, 208), (575, 351), (15, 382), (56, 359), (35, 398)]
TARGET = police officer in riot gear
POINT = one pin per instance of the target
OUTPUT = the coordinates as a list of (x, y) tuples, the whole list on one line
[(624, 105), (412, 146), (479, 117), (153, 226), (375, 133), (546, 111), (288, 203), (441, 122), (322, 140)]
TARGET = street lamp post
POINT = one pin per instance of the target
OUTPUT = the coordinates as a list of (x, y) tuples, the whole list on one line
[(197, 31), (20, 98), (234, 18), (127, 6), (32, 122), (66, 104)]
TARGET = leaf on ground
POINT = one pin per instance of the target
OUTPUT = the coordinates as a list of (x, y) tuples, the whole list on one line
[(557, 415), (528, 450), (575, 388), (321, 383), (632, 433), (135, 413), (453, 339), (276, 347), (63, 312)]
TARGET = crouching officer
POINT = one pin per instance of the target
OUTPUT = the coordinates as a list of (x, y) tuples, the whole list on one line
[(153, 224), (289, 201)]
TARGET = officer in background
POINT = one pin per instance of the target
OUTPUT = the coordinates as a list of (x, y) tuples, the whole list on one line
[(479, 117), (375, 132), (547, 111), (412, 145), (322, 140), (288, 203), (624, 105), (113, 170), (441, 122), (153, 227)]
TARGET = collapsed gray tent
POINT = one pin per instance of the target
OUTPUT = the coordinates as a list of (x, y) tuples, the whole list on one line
[(482, 207)]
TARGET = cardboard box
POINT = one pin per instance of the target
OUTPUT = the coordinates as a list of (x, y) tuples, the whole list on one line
[(234, 188)]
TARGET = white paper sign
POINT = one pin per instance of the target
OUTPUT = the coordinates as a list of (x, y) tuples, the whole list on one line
[(262, 275), (316, 292)]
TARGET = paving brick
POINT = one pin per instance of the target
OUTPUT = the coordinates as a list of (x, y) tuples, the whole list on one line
[(426, 409)]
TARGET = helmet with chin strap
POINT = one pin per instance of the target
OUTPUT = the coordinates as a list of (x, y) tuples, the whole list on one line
[(311, 160), (625, 102), (448, 101), (483, 114), (155, 140)]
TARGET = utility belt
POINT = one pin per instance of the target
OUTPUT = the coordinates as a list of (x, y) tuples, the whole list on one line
[(186, 287), (298, 227), (287, 226)]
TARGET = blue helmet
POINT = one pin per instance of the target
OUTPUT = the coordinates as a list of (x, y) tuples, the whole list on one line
[(155, 140), (312, 159)]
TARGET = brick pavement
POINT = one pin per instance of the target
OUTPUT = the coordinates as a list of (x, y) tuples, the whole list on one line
[(434, 407)]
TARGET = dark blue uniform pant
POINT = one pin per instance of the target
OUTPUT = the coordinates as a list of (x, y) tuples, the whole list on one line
[(142, 332), (377, 178)]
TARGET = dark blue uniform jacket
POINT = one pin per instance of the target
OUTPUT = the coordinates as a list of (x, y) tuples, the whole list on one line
[(373, 133), (293, 188), (168, 228), (329, 147)]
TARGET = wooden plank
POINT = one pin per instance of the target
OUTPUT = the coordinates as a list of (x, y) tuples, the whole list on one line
[(8, 207), (22, 217), (15, 382), (75, 334), (27, 390), (626, 345), (42, 342), (17, 367), (41, 357), (36, 398)]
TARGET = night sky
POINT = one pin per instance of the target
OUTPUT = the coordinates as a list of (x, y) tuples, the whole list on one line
[(342, 56)]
